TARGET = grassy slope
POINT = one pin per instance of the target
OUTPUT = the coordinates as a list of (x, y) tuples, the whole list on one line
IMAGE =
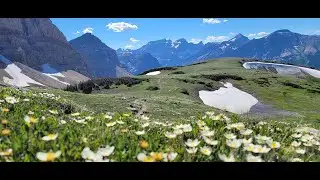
[(171, 104), (26, 141)]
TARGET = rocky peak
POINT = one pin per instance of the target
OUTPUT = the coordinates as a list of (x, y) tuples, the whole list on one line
[(239, 37), (101, 59), (32, 27), (182, 41)]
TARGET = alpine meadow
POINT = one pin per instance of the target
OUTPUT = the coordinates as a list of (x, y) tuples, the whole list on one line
[(66, 96)]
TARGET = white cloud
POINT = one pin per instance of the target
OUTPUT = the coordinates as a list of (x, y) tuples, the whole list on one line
[(263, 34), (121, 26), (216, 39), (232, 33), (257, 35), (133, 40), (88, 30), (195, 41), (78, 32), (128, 46), (210, 39), (213, 21)]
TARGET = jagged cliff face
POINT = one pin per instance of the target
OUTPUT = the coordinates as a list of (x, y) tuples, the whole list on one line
[(36, 41), (101, 59)]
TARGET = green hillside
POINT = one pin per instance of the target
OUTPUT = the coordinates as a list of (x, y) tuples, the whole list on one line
[(177, 95), (57, 125)]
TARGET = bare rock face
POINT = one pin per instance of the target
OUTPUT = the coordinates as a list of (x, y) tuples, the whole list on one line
[(102, 60), (36, 41)]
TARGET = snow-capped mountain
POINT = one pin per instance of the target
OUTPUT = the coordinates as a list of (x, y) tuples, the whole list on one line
[(283, 45), (214, 50), (170, 53)]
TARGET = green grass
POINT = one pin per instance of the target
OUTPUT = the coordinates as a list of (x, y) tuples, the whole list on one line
[(168, 102), (74, 129), (176, 101)]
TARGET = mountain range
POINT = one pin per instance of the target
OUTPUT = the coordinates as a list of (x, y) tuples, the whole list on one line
[(38, 43), (282, 45), (171, 53)]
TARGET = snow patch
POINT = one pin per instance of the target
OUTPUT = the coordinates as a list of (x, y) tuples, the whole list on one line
[(283, 68), (228, 98), (19, 79), (175, 44), (47, 69), (153, 73), (53, 73)]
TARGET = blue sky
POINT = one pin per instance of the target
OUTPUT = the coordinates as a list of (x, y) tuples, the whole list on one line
[(135, 32)]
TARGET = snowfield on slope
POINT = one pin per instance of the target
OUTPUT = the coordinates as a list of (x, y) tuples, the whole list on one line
[(228, 98), (53, 73), (19, 79), (282, 68)]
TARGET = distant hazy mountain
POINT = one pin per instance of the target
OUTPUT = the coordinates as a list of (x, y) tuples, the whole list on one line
[(35, 42), (137, 62), (283, 45), (100, 59), (214, 50), (171, 53)]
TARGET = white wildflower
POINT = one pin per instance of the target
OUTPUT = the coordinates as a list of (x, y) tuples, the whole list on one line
[(192, 150), (206, 150), (192, 143), (226, 158)]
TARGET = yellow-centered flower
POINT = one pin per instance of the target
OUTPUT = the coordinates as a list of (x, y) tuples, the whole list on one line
[(157, 156), (4, 121), (7, 152), (5, 132), (50, 137), (144, 144), (50, 156), (5, 110)]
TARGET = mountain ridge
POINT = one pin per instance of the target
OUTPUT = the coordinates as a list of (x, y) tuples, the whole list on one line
[(37, 41)]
